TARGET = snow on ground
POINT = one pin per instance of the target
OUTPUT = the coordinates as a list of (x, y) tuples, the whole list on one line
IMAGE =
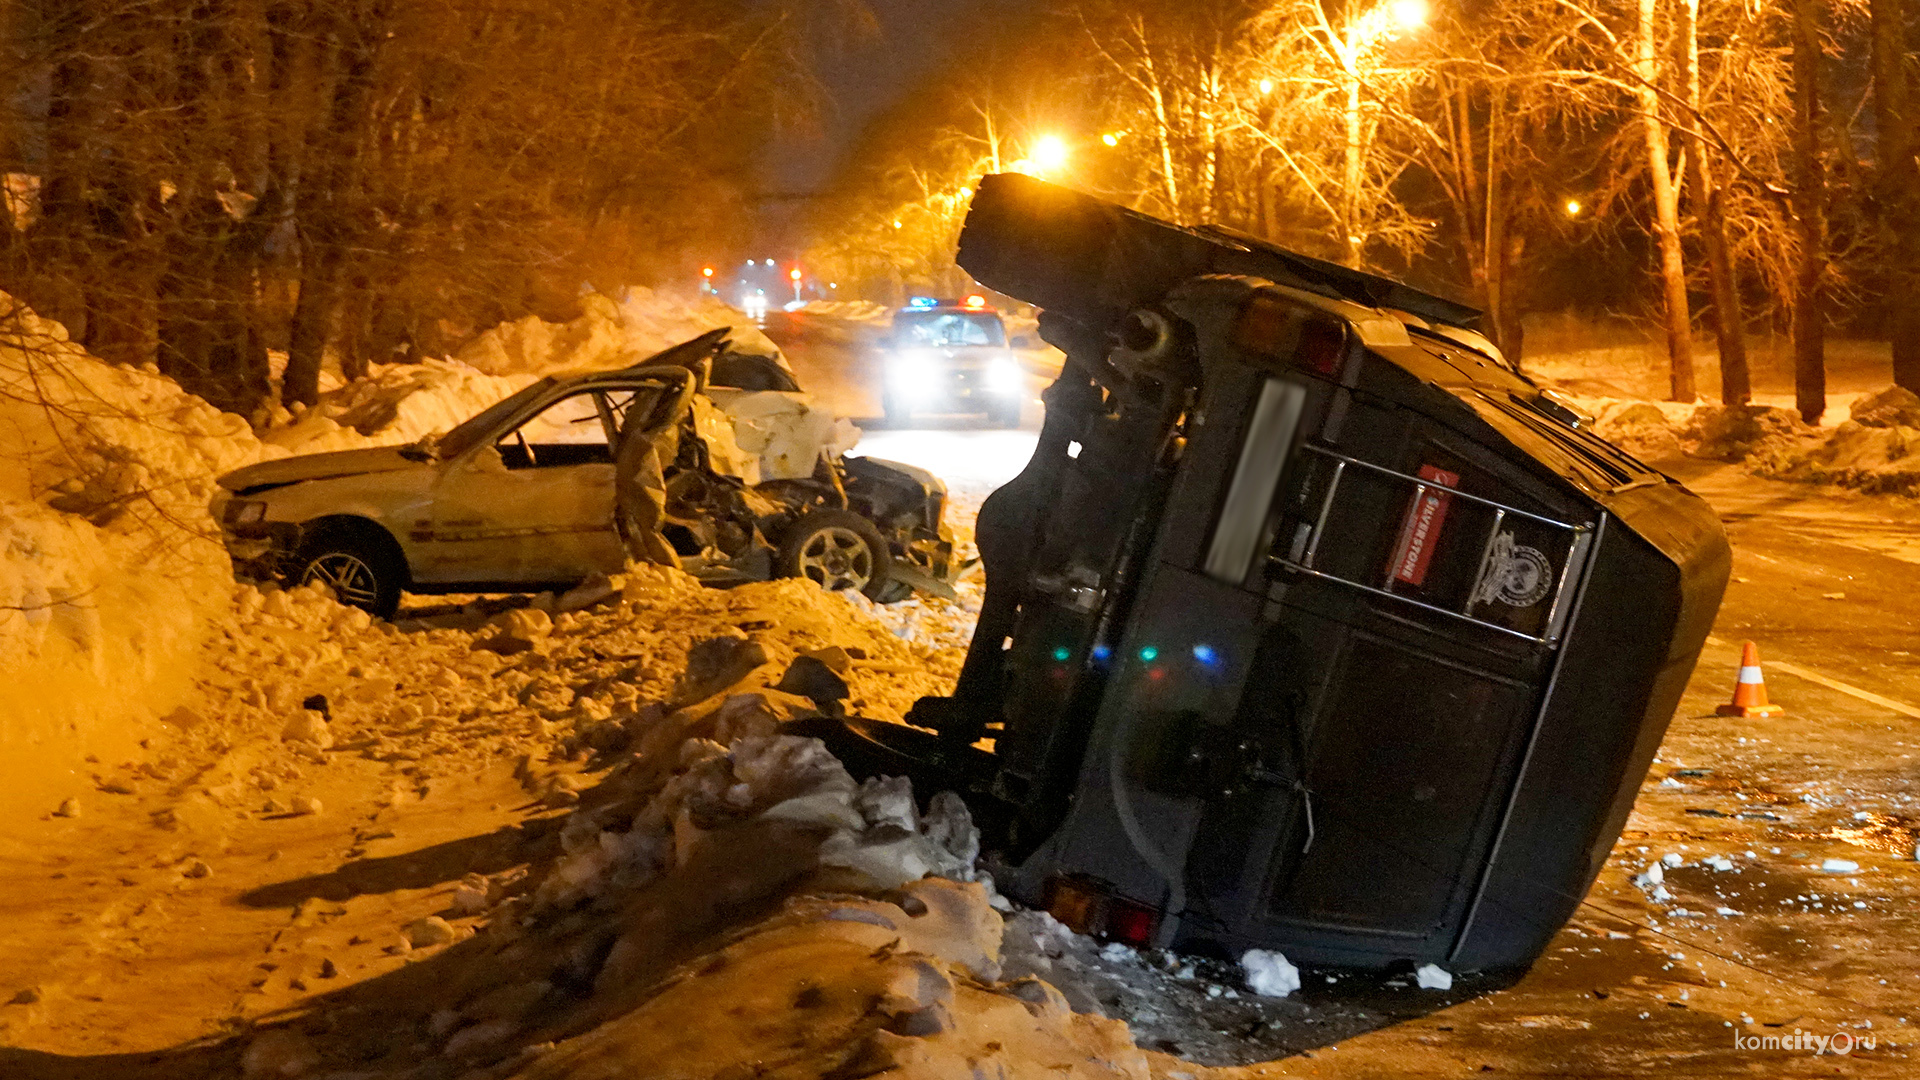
[(679, 887), (106, 554), (106, 551), (857, 311)]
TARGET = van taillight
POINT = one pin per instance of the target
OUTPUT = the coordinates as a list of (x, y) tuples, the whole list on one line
[(1130, 923), (1293, 333), (1088, 905)]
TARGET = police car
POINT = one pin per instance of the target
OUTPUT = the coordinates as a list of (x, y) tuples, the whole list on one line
[(945, 356)]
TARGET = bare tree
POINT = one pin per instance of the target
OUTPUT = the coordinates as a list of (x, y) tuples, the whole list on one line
[(1898, 187), (1809, 306)]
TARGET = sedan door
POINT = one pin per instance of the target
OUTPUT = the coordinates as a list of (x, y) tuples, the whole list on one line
[(534, 507)]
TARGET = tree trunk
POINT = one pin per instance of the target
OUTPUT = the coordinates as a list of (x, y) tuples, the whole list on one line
[(1494, 248), (1809, 316), (1729, 327), (1898, 184), (1666, 204), (1351, 240), (325, 211)]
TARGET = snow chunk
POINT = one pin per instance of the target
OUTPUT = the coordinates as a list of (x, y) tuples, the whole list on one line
[(1840, 866), (1269, 974), (1433, 977)]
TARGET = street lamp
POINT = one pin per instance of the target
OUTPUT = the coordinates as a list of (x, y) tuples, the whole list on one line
[(1573, 208), (1050, 153), (707, 273), (1351, 48), (794, 275)]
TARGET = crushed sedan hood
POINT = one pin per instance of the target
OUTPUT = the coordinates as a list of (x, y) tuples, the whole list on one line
[(292, 470)]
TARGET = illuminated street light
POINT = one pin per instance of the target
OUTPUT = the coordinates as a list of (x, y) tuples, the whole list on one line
[(1357, 48), (1266, 86), (1573, 207), (1111, 138), (794, 274), (897, 224), (1409, 14), (1050, 153)]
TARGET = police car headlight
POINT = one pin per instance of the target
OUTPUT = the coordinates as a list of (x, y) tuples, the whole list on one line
[(1004, 375)]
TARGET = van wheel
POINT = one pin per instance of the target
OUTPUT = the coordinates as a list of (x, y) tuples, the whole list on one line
[(360, 573), (836, 549)]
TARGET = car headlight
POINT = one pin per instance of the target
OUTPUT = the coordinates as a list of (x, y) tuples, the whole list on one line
[(245, 511), (1004, 375)]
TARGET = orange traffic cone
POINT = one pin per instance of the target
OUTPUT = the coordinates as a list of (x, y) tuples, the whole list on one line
[(1750, 693)]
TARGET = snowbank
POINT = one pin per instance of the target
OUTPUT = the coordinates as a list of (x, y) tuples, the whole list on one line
[(718, 892), (106, 554), (1876, 449), (609, 334)]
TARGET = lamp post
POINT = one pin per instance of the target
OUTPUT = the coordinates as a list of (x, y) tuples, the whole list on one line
[(794, 276)]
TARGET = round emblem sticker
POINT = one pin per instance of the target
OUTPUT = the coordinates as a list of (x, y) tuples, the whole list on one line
[(1526, 577)]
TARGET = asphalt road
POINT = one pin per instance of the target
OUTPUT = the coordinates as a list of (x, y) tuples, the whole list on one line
[(1827, 585)]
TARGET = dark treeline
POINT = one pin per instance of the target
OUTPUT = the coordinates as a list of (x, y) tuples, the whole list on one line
[(194, 182)]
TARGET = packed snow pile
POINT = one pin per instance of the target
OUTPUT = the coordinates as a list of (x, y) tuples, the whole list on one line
[(105, 548), (608, 334), (1877, 450), (392, 405), (697, 889)]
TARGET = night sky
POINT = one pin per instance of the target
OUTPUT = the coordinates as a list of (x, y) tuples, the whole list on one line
[(915, 36)]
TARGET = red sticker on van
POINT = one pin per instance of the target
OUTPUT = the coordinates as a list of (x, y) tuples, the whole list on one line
[(1421, 529)]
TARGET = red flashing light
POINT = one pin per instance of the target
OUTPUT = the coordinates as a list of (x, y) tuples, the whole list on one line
[(975, 303)]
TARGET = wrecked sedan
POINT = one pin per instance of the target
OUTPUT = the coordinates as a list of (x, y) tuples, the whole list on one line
[(700, 457), (1312, 625)]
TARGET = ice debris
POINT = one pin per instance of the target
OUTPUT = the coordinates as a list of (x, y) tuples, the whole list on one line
[(1269, 974), (1433, 977)]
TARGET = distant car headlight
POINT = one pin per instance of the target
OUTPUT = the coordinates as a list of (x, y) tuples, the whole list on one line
[(1004, 375), (245, 511)]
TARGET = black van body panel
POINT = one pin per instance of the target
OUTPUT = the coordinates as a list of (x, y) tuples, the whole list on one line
[(1361, 659)]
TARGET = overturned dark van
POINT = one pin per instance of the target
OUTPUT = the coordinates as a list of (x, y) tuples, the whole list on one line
[(1311, 625)]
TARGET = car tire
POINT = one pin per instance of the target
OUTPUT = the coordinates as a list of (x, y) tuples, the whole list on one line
[(836, 549), (1004, 412), (361, 572)]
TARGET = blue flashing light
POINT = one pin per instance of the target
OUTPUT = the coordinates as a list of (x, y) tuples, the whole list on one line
[(923, 302), (1061, 653), (1205, 654), (1149, 654), (1102, 652)]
